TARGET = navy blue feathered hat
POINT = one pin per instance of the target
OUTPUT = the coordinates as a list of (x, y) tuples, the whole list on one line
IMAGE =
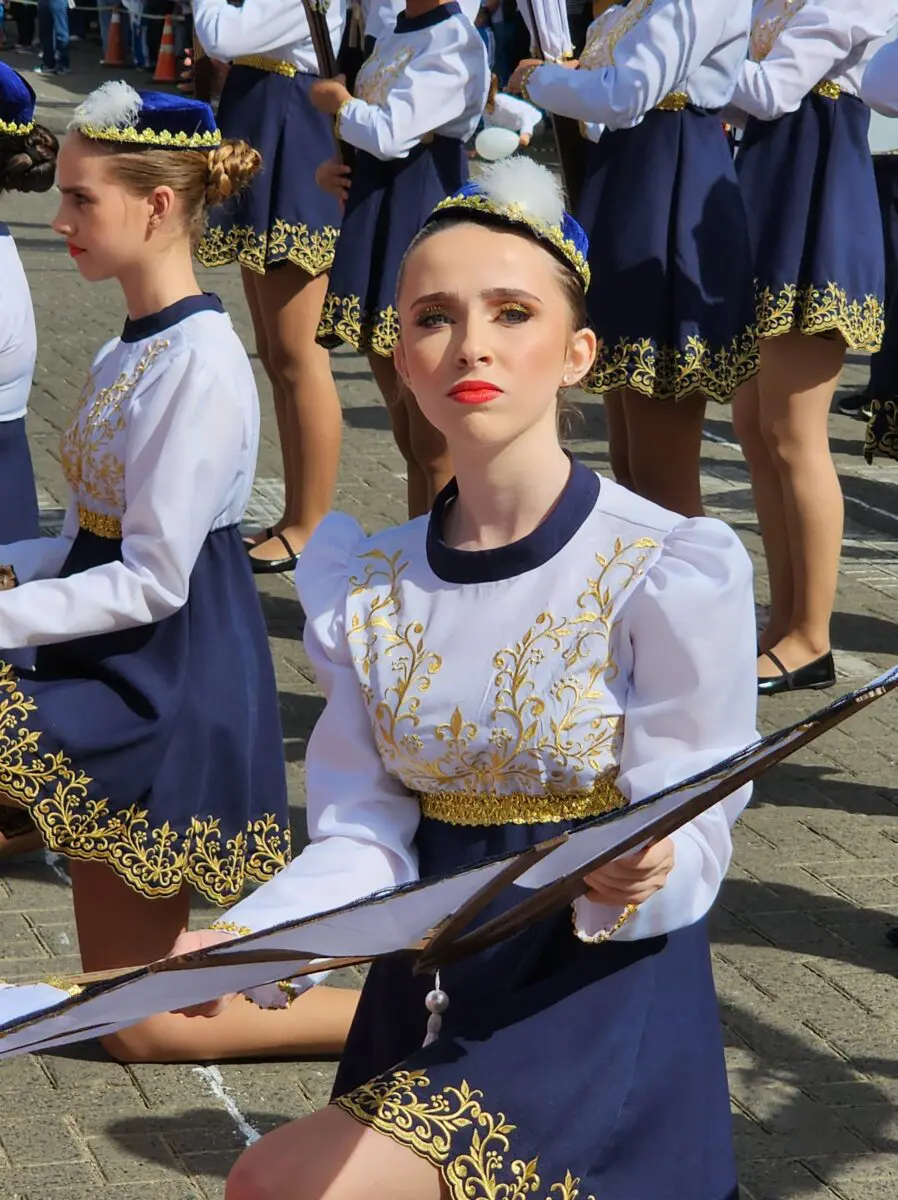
[(522, 194), (16, 103), (117, 113)]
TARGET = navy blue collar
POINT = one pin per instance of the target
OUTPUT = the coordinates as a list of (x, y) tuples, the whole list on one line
[(4, 230), (406, 24), (144, 327), (574, 505)]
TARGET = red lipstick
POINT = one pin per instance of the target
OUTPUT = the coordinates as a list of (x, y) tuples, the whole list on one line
[(74, 250), (474, 391)]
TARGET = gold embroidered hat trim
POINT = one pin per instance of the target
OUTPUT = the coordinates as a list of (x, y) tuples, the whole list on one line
[(101, 524), (129, 136), (273, 66), (812, 310), (450, 1128), (521, 808), (342, 320), (312, 250), (11, 129), (153, 860)]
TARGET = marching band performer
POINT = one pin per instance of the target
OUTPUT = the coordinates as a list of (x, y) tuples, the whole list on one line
[(672, 300), (419, 98), (145, 742), (283, 233), (545, 646), (819, 267)]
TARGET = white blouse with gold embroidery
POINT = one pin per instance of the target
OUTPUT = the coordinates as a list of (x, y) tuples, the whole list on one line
[(798, 44), (161, 451), (637, 57), (429, 76), (275, 29), (625, 662)]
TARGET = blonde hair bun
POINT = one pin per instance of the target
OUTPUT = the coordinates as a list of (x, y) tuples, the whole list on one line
[(231, 167)]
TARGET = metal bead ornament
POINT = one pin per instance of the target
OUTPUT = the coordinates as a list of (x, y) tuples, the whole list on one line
[(436, 1002)]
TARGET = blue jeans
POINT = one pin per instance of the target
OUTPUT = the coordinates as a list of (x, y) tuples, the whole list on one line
[(53, 29)]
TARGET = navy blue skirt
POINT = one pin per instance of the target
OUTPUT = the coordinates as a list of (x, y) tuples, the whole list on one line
[(672, 299), (18, 494), (284, 216), (388, 204), (598, 1069), (157, 750), (883, 365), (815, 224)]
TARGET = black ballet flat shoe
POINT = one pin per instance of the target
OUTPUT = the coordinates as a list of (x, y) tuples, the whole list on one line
[(275, 566), (892, 936), (821, 673)]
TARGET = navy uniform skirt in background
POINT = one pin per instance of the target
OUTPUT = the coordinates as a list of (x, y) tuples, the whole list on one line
[(284, 216), (388, 204), (671, 299), (815, 223), (18, 494), (562, 1069), (157, 750), (882, 429)]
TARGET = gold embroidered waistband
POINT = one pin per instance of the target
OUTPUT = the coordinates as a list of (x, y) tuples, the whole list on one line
[(673, 102), (521, 808), (827, 88), (274, 66), (102, 524)]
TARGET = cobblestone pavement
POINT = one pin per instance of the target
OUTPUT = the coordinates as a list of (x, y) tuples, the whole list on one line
[(807, 984)]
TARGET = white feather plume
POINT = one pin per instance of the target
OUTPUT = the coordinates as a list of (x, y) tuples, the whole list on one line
[(114, 105), (521, 183)]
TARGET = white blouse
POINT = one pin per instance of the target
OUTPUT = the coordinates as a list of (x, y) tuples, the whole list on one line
[(379, 16), (879, 86), (429, 76), (511, 112), (275, 29), (637, 56), (797, 44), (161, 451), (611, 651), (18, 336)]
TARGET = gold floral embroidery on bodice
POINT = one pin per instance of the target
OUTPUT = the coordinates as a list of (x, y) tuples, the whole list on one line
[(607, 30), (768, 24), (377, 76), (545, 723), (92, 443)]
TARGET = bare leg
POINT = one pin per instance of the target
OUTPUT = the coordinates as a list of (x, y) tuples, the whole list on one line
[(394, 393), (665, 445), (799, 381), (330, 1156), (119, 928), (290, 303), (618, 446), (767, 491)]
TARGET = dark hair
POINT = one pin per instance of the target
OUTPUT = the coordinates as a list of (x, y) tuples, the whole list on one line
[(28, 162)]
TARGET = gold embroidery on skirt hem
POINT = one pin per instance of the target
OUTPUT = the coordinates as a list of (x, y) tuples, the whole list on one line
[(428, 1125), (811, 310), (342, 320), (312, 250), (154, 862), (882, 431), (664, 373)]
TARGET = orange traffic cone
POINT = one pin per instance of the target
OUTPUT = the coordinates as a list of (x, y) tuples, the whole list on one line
[(166, 65), (115, 46)]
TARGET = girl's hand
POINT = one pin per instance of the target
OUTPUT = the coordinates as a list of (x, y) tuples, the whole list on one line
[(328, 94), (524, 140), (201, 939), (333, 177), (634, 878)]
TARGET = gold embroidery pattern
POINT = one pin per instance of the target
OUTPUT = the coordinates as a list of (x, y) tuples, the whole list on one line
[(342, 320), (673, 102), (522, 808), (606, 32), (668, 374), (130, 136), (92, 469), (770, 24), (399, 1106), (828, 89), (100, 524), (153, 861), (273, 66), (882, 431), (376, 77), (810, 310), (312, 250), (530, 747)]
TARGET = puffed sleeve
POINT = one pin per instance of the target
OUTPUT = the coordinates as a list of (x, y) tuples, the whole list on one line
[(185, 435), (361, 820), (433, 89), (879, 87), (510, 112), (818, 39), (692, 701), (547, 24), (654, 57), (226, 32)]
